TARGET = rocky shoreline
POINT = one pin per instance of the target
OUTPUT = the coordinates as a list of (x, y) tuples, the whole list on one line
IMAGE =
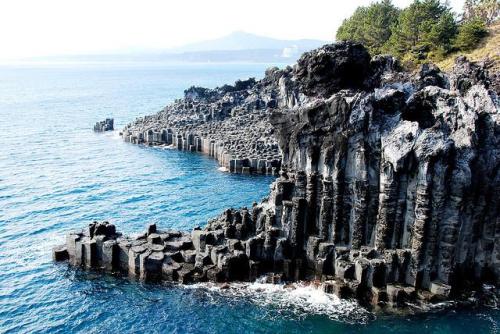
[(228, 123), (387, 190)]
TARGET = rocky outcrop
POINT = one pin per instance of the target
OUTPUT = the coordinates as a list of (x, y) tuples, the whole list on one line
[(106, 125), (388, 189), (229, 123)]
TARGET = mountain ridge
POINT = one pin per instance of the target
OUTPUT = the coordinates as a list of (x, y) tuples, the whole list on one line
[(241, 40), (237, 46)]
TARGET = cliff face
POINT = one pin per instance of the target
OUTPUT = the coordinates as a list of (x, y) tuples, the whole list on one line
[(388, 188), (408, 168)]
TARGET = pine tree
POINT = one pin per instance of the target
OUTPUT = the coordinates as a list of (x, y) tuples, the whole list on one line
[(370, 25), (470, 33), (423, 27)]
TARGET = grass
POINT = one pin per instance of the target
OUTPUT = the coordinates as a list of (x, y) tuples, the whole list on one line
[(489, 48)]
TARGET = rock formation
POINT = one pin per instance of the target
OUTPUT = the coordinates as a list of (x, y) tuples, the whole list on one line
[(106, 125), (228, 123), (388, 189)]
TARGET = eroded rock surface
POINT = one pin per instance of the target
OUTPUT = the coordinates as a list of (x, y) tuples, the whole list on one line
[(388, 189)]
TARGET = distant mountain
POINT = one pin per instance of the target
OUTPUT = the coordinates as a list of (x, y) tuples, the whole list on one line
[(236, 47), (242, 46), (240, 40)]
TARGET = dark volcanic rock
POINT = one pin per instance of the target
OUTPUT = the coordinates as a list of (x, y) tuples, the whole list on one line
[(331, 68), (388, 189), (466, 74), (106, 125)]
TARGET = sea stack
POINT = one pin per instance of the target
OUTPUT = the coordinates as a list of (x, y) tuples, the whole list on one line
[(387, 191), (106, 125)]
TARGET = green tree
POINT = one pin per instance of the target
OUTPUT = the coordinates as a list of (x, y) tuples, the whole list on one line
[(423, 28), (370, 25), (470, 33)]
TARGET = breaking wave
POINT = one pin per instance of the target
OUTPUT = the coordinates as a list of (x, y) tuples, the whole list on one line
[(298, 300)]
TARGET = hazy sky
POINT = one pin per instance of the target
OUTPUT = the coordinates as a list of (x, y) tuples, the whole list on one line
[(49, 27)]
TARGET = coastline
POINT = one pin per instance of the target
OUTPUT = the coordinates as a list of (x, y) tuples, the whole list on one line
[(362, 203), (192, 142)]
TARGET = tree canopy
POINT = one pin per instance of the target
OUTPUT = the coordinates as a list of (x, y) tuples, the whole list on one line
[(370, 25), (470, 34), (425, 29)]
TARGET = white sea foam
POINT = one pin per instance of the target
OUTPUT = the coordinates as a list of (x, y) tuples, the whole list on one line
[(298, 299), (114, 134)]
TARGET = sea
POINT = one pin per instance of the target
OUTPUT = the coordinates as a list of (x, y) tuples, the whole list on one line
[(57, 175)]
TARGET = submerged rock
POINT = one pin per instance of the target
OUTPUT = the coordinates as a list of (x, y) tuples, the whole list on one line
[(388, 189)]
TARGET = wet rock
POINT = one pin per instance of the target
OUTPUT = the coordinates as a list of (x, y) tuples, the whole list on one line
[(440, 289), (60, 253), (152, 266), (214, 274), (109, 255), (89, 256), (170, 270), (151, 229), (154, 238)]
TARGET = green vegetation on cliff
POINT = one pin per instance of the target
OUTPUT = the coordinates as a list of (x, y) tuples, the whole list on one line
[(370, 25), (425, 30), (488, 49)]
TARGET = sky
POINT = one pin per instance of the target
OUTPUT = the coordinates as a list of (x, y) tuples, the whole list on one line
[(31, 28)]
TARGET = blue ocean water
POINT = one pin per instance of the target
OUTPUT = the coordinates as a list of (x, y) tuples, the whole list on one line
[(57, 175)]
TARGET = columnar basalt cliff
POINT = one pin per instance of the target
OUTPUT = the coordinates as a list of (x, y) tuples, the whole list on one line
[(228, 123), (388, 189)]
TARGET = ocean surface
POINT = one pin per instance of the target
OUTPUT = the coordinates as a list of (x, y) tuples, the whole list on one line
[(57, 175)]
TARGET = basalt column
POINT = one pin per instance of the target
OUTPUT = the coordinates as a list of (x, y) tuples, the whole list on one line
[(388, 189)]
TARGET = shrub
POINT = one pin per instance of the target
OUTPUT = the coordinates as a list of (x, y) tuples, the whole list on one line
[(470, 33)]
